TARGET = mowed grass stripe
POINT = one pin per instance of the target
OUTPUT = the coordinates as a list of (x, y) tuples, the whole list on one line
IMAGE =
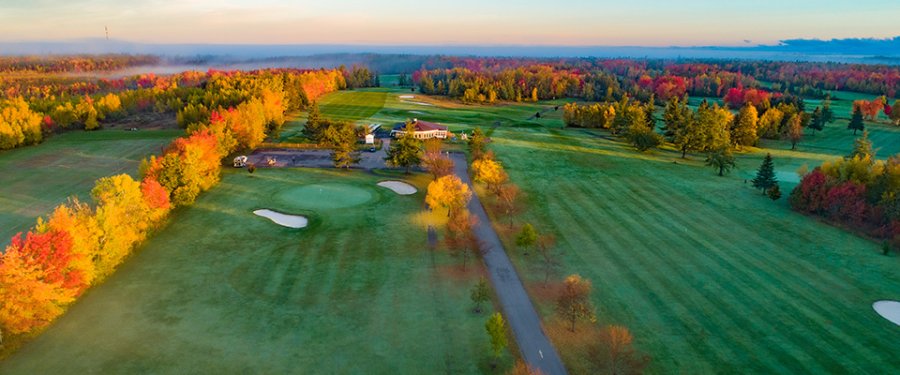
[(722, 293), (615, 227), (678, 301), (760, 264)]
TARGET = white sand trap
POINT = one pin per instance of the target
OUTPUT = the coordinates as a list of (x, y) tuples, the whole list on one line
[(407, 96), (420, 103), (285, 220), (417, 112), (398, 187), (889, 310)]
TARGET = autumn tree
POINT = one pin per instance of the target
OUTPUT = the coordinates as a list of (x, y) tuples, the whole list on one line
[(765, 176), (496, 330), (743, 132), (862, 148), (477, 143), (546, 248), (675, 116), (507, 202), (526, 238), (406, 150), (480, 294), (490, 172), (448, 192), (121, 217), (856, 121), (574, 303), (895, 112), (774, 193), (722, 160), (642, 136), (769, 123), (460, 237), (613, 353), (689, 136), (435, 162), (27, 300), (794, 130)]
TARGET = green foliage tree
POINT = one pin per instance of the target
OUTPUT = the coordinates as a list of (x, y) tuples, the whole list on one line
[(827, 113), (722, 160), (477, 143), (817, 120), (765, 176), (480, 294), (341, 136), (406, 150), (856, 121), (676, 115), (313, 129), (527, 238), (496, 329), (689, 136), (743, 133)]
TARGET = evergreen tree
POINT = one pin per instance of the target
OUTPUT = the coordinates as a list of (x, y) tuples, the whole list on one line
[(480, 294), (817, 121), (313, 128), (341, 136), (765, 176), (406, 150), (862, 148), (856, 122), (743, 133)]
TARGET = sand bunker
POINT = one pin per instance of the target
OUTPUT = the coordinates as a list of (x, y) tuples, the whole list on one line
[(285, 220), (889, 310), (407, 96), (420, 103), (398, 187)]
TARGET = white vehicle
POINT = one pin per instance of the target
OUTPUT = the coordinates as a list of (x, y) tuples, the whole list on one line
[(240, 161)]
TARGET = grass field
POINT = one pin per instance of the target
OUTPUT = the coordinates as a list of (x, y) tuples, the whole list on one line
[(223, 291), (37, 178), (708, 274)]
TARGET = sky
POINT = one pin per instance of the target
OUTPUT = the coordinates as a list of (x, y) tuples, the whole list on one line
[(454, 22)]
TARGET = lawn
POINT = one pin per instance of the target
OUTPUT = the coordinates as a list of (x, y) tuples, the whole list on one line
[(220, 290), (37, 178), (708, 274)]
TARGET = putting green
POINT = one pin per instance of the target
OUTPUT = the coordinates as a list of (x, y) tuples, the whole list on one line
[(325, 196)]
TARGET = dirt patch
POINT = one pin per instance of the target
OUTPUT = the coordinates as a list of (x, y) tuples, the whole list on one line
[(145, 121)]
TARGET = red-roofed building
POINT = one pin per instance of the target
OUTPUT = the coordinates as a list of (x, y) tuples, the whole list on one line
[(424, 130)]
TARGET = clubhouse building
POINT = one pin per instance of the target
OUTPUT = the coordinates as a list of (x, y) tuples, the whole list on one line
[(424, 130)]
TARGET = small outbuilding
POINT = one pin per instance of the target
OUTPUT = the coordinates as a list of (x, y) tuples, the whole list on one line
[(370, 139)]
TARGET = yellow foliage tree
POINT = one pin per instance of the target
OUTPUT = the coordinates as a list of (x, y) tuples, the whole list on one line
[(122, 217), (26, 300), (449, 192), (490, 172)]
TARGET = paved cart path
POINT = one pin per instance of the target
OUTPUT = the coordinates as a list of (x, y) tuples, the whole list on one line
[(517, 308)]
